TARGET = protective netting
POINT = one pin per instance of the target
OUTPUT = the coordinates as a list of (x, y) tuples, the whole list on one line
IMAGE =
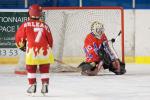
[(69, 28)]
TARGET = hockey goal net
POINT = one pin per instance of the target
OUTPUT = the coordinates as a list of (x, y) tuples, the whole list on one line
[(69, 27)]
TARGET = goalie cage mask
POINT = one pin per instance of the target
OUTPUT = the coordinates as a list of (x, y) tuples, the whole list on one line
[(97, 28)]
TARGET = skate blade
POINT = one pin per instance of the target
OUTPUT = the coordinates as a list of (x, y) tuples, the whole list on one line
[(31, 94), (43, 94)]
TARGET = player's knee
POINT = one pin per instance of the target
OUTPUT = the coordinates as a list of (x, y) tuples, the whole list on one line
[(44, 68), (31, 68)]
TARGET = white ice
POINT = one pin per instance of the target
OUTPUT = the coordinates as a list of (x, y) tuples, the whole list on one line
[(134, 85)]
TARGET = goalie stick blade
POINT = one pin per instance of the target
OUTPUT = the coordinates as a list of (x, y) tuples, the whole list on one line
[(20, 72)]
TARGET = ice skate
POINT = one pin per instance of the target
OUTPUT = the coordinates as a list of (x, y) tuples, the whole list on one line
[(31, 90), (44, 89)]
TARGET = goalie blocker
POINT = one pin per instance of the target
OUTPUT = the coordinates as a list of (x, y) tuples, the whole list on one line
[(108, 61)]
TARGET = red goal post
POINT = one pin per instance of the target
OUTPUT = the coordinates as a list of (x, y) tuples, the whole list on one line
[(70, 25)]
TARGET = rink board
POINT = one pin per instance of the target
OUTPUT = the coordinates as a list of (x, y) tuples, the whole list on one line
[(77, 60)]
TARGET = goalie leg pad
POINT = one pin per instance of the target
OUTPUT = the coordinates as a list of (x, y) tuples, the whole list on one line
[(118, 69), (110, 61), (85, 66), (87, 69), (122, 68), (90, 73)]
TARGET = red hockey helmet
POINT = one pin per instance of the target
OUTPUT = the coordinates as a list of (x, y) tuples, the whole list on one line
[(35, 11)]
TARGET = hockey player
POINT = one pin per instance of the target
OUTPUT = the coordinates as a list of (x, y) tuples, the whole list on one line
[(35, 38), (98, 53)]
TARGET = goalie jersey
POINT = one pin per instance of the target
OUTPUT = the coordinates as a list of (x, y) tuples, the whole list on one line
[(37, 38), (91, 47)]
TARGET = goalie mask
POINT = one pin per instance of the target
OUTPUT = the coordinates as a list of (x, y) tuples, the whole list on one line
[(97, 28), (35, 11)]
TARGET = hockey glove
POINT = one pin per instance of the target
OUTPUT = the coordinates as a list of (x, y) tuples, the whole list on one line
[(23, 48)]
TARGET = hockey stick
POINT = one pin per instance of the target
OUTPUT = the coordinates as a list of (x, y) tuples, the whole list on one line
[(61, 62), (67, 67)]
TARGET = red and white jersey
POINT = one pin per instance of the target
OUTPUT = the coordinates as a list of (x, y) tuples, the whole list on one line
[(92, 45), (39, 42)]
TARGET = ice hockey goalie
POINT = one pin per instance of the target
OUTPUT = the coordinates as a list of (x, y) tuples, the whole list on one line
[(99, 54)]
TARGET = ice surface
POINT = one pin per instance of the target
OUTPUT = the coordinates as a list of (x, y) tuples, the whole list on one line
[(134, 85)]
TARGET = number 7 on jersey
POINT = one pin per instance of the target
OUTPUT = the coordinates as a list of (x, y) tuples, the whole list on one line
[(39, 34)]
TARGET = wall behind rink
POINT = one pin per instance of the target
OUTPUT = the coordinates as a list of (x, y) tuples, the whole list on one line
[(142, 34), (137, 34), (10, 20)]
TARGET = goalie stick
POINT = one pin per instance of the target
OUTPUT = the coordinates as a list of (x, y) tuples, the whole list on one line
[(67, 67), (61, 62)]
